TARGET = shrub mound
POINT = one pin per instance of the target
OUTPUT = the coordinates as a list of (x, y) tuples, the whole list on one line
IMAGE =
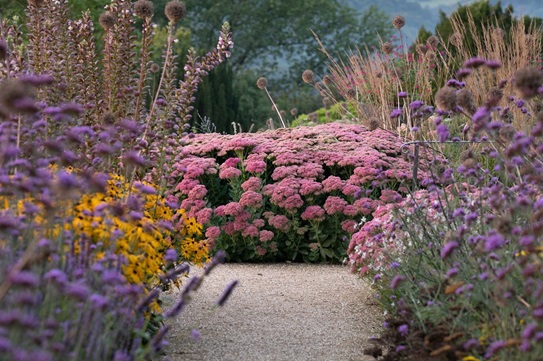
[(290, 194)]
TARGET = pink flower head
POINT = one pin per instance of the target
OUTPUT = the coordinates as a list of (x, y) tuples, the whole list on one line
[(350, 210), (280, 222), (213, 233), (255, 166), (266, 236), (334, 205), (349, 226), (261, 250), (310, 187), (313, 213), (198, 192), (251, 184), (390, 196), (231, 162), (332, 183), (232, 209), (229, 173), (204, 215), (250, 231), (350, 190), (251, 199)]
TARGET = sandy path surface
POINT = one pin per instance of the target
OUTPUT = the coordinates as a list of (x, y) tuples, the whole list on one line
[(277, 312)]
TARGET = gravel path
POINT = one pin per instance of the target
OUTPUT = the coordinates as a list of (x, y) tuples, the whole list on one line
[(277, 312)]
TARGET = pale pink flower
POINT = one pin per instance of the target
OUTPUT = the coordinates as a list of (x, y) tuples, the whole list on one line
[(203, 216), (230, 162), (229, 173), (310, 187), (251, 184), (350, 190), (250, 231), (284, 171), (186, 185), (293, 202), (261, 250), (334, 205), (198, 192), (232, 209), (349, 225), (251, 199), (213, 233), (332, 183), (313, 213), (255, 166), (229, 229), (390, 196), (350, 210), (266, 236), (259, 223), (279, 222), (219, 211), (240, 225)]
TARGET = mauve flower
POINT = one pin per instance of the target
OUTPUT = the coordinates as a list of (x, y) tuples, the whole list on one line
[(78, 291), (170, 255), (397, 280), (266, 236), (24, 279), (474, 63), (494, 347), (229, 173), (313, 213), (395, 113), (251, 199), (417, 104), (403, 330), (57, 276), (493, 241), (98, 301), (448, 248), (227, 292)]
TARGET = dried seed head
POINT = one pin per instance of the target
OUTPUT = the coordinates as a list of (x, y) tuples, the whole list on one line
[(107, 20), (467, 154), (398, 22), (17, 97), (313, 117), (144, 9), (527, 81), (387, 48), (494, 96), (446, 98), (456, 39), (308, 76), (283, 113), (327, 80), (3, 50), (432, 42), (262, 83), (175, 11), (294, 112), (430, 55), (422, 49), (373, 123), (464, 99), (326, 102), (507, 132), (497, 33), (108, 118), (155, 67), (35, 3), (350, 94)]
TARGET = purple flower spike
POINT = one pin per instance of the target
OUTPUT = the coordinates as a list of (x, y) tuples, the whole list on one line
[(402, 94), (396, 113), (493, 348), (397, 280), (493, 64), (474, 63), (448, 248), (403, 329), (227, 292), (25, 279)]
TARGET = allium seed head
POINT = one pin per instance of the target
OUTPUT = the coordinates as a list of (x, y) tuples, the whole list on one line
[(398, 22), (144, 9), (422, 49), (494, 96), (373, 123), (294, 112), (3, 50), (327, 80), (527, 81), (432, 42), (108, 118), (464, 99), (175, 11), (455, 39), (430, 55), (308, 76), (107, 20), (446, 98), (262, 83), (350, 94), (155, 67), (387, 48)]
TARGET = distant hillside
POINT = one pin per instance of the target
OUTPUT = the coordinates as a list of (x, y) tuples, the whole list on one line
[(426, 12)]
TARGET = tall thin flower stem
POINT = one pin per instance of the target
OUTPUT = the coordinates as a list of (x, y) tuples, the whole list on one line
[(275, 107)]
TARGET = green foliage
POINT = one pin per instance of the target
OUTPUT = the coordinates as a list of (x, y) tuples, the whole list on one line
[(326, 115)]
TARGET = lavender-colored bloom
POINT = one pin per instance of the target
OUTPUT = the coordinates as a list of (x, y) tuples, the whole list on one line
[(147, 300), (403, 330), (494, 347), (400, 348), (219, 258), (396, 113), (493, 241), (448, 248), (471, 343), (402, 94), (57, 276), (462, 73), (443, 132), (24, 279), (397, 280), (78, 291), (416, 104), (170, 255), (227, 292), (474, 63), (452, 272), (195, 334), (493, 64), (98, 301), (121, 355), (5, 345), (394, 265)]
